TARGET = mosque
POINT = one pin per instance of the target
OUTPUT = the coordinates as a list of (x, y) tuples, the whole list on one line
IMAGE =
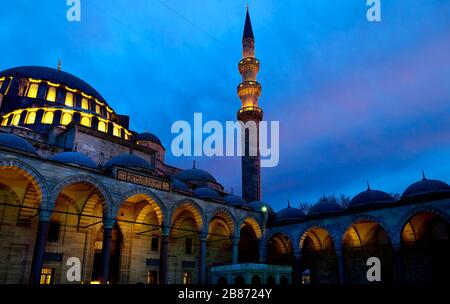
[(76, 181)]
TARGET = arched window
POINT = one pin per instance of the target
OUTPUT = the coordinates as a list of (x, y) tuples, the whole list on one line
[(31, 117), (116, 131), (32, 90), (102, 126), (16, 120), (47, 118), (5, 121), (85, 121), (66, 118), (85, 103), (69, 99), (51, 93)]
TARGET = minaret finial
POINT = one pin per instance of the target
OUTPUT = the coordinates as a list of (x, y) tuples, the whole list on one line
[(423, 175), (193, 164), (289, 203), (368, 186), (59, 64)]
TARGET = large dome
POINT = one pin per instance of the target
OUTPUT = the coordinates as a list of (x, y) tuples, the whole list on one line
[(74, 158), (205, 192), (289, 214), (55, 76), (234, 200), (179, 185), (426, 186), (370, 197), (16, 142), (195, 174), (128, 160), (147, 136), (325, 206)]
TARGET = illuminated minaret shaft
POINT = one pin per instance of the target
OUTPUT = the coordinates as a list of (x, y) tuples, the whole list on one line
[(249, 91)]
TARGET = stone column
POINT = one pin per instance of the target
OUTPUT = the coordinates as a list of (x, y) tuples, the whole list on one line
[(235, 250), (341, 268), (202, 259), (108, 225), (262, 251), (39, 246), (164, 255), (398, 263), (297, 269)]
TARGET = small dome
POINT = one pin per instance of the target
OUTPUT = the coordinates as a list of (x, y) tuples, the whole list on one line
[(426, 186), (74, 158), (325, 206), (205, 192), (128, 160), (289, 214), (370, 197), (179, 185), (195, 174), (234, 200), (147, 136), (258, 206), (16, 142)]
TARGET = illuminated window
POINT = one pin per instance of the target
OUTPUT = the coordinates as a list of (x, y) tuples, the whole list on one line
[(32, 90), (85, 103), (66, 118), (5, 121), (97, 109), (127, 137), (31, 117), (51, 93), (69, 99), (108, 115), (152, 277), (116, 131), (47, 118), (102, 126), (187, 277), (85, 121), (1, 83), (47, 275), (16, 120)]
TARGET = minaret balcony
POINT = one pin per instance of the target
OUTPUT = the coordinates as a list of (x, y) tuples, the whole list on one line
[(249, 63), (250, 113), (249, 88)]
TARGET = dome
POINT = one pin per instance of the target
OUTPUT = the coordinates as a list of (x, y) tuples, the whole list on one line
[(258, 206), (128, 160), (426, 186), (16, 142), (55, 76), (234, 200), (179, 185), (370, 197), (74, 158), (205, 192), (195, 174), (325, 206), (147, 136), (289, 214)]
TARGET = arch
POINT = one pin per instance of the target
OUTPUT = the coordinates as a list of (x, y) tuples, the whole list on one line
[(319, 234), (365, 218), (280, 249), (239, 280), (256, 280), (192, 207), (253, 223), (153, 202), (226, 216), (275, 232)]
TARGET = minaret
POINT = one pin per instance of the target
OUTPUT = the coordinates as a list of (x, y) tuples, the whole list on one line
[(249, 91)]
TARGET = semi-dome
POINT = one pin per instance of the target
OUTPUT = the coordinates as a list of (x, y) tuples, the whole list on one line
[(128, 160), (205, 192), (289, 214), (234, 200), (147, 136), (325, 206), (179, 185), (260, 206), (74, 158), (16, 142), (55, 76), (426, 186), (370, 197), (195, 174)]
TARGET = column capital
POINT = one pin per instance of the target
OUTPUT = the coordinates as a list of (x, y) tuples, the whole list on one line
[(165, 230), (108, 223), (44, 215)]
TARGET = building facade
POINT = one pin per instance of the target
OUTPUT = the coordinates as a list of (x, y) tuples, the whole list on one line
[(76, 182)]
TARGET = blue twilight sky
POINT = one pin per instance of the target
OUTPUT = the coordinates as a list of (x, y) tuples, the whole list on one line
[(357, 101)]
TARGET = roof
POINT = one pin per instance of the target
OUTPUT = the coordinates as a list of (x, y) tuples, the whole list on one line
[(248, 30), (147, 136), (179, 185), (289, 214), (195, 174), (325, 206), (74, 158), (258, 206), (426, 186), (128, 160), (55, 76), (370, 197), (234, 200), (16, 142), (205, 192)]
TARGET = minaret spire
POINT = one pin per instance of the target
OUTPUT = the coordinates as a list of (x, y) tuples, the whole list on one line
[(249, 91)]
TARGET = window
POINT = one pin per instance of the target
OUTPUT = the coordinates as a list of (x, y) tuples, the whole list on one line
[(69, 99), (5, 121), (116, 131), (188, 246), (85, 103), (98, 110), (32, 90), (102, 126), (1, 82), (31, 117), (155, 241), (47, 118), (53, 232), (47, 275), (66, 118), (85, 121), (51, 93), (187, 277), (152, 277), (16, 120)]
